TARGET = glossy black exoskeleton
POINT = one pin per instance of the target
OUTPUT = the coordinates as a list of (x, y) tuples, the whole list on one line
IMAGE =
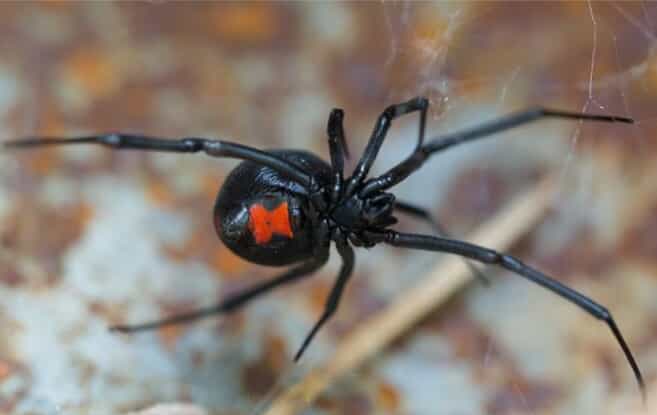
[(245, 214), (284, 207)]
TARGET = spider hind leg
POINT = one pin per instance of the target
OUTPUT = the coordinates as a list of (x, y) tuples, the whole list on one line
[(233, 302), (347, 254), (489, 256)]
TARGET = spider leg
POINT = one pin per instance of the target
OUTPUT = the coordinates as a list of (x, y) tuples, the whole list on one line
[(404, 169), (489, 256), (424, 214), (337, 141), (235, 301), (338, 149), (214, 148), (381, 128), (347, 254)]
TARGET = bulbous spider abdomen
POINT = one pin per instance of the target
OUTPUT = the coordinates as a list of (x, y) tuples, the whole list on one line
[(260, 214)]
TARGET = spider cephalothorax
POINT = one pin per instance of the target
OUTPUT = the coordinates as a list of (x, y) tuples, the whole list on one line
[(355, 214), (282, 207)]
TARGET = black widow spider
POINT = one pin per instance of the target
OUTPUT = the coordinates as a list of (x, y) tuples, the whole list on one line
[(281, 207)]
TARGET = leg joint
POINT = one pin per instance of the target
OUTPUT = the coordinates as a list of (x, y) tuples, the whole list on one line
[(193, 144), (422, 102), (112, 140), (603, 314)]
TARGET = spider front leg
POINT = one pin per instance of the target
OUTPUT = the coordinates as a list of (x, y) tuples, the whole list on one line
[(405, 168), (338, 149), (381, 128), (337, 142), (489, 256), (214, 148)]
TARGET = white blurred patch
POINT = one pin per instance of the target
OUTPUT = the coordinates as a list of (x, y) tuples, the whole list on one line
[(9, 86), (430, 379), (302, 115), (48, 28), (118, 260), (329, 22), (514, 309)]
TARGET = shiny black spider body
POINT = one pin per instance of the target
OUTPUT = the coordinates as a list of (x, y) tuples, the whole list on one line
[(251, 192), (285, 207)]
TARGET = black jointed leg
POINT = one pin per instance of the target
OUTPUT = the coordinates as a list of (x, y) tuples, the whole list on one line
[(309, 211), (489, 256), (379, 133), (515, 120), (338, 150), (404, 169), (337, 141), (424, 214), (215, 148), (235, 301), (347, 254)]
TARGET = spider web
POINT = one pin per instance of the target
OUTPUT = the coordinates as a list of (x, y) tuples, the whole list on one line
[(622, 46), (450, 53)]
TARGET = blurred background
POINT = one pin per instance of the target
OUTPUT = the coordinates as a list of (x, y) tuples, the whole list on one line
[(90, 237)]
